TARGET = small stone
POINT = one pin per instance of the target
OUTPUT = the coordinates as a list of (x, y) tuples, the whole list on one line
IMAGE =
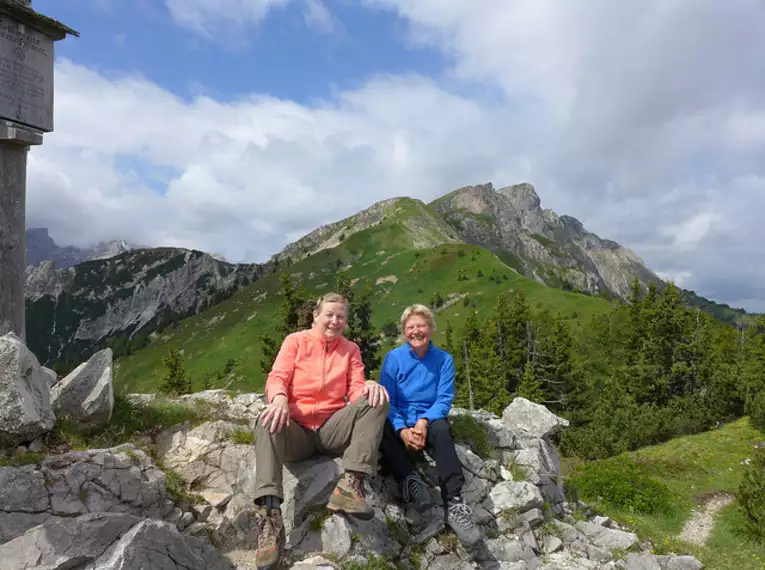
[(602, 521), (186, 520), (684, 563), (197, 529), (174, 516), (519, 496), (533, 517), (19, 451), (552, 544), (36, 446), (642, 561)]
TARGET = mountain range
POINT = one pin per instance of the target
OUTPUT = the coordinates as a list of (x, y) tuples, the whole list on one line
[(123, 294), (41, 247)]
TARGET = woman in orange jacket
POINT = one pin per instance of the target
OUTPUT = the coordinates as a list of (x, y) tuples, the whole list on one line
[(318, 401)]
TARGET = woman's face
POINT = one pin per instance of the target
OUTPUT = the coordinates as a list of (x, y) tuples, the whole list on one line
[(330, 320), (417, 332)]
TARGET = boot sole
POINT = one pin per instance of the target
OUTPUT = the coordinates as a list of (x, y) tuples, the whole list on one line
[(362, 516)]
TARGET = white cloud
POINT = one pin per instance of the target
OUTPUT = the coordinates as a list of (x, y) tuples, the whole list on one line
[(689, 233), (318, 16), (643, 121), (212, 18)]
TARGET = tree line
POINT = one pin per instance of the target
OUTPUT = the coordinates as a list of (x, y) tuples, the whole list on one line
[(649, 369)]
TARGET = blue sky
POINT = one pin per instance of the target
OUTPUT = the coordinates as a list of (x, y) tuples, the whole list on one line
[(236, 126), (286, 56)]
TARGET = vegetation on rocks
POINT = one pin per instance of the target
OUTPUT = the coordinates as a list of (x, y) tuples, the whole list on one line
[(691, 470)]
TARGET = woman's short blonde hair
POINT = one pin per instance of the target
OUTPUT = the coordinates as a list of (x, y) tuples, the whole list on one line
[(330, 298), (418, 310)]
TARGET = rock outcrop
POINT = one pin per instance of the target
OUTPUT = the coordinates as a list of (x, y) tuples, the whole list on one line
[(109, 541), (554, 249), (516, 495), (86, 395), (25, 407)]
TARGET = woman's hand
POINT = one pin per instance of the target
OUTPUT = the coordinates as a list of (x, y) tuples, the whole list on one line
[(420, 432), (276, 415), (376, 393), (408, 438)]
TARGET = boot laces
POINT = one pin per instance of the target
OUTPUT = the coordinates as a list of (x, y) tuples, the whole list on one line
[(266, 530), (414, 488), (355, 482), (461, 514)]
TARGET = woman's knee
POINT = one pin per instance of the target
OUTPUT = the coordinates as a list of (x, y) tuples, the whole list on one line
[(441, 429)]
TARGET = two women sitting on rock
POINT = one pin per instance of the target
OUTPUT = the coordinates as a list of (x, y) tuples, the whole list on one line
[(319, 402)]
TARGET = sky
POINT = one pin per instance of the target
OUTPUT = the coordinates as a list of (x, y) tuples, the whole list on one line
[(237, 126)]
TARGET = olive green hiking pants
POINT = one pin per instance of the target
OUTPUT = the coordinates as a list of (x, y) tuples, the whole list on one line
[(354, 431)]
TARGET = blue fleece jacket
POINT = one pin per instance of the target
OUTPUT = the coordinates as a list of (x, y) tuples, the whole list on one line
[(418, 387)]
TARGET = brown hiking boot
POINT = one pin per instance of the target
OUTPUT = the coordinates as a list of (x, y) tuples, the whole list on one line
[(348, 497), (270, 537)]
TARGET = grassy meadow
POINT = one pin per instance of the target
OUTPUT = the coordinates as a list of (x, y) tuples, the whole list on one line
[(653, 490)]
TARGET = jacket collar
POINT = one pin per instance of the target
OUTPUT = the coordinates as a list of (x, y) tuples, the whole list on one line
[(320, 338), (415, 355)]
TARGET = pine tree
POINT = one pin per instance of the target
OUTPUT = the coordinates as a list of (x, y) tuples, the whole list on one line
[(359, 327), (293, 317), (175, 380), (529, 386), (487, 378), (516, 345), (463, 359)]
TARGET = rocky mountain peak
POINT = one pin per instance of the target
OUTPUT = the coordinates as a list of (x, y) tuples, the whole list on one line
[(523, 197), (41, 247)]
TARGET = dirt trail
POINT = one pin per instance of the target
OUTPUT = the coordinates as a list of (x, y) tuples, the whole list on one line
[(699, 526)]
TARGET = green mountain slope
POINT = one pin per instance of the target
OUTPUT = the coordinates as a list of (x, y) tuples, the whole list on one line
[(407, 256), (654, 490)]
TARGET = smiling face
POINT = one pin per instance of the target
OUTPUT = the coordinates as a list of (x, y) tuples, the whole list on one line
[(329, 320), (417, 332)]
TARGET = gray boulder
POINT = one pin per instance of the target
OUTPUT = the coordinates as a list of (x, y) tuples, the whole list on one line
[(122, 479), (530, 421), (25, 406), (86, 396), (50, 376), (108, 541)]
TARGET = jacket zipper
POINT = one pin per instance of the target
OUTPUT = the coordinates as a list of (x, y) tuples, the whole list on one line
[(323, 380)]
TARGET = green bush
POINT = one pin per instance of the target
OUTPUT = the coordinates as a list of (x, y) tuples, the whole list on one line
[(467, 430), (622, 485), (755, 409), (751, 495)]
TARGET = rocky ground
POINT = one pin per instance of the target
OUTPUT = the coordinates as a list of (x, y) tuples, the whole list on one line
[(181, 498)]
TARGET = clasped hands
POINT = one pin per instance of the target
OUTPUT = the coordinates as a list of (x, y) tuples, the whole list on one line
[(277, 413), (414, 438)]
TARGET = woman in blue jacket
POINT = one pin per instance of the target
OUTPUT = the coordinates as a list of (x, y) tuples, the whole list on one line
[(419, 378)]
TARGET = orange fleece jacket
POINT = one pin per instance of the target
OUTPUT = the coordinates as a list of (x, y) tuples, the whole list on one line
[(316, 375)]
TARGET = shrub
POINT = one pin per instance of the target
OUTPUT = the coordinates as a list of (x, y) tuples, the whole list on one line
[(755, 409), (622, 485), (751, 495), (467, 430)]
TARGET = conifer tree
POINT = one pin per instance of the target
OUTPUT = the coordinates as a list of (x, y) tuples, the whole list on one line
[(175, 380), (359, 327), (516, 346), (292, 317)]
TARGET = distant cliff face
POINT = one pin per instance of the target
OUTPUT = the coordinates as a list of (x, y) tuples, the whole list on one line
[(553, 249), (73, 312), (41, 247)]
